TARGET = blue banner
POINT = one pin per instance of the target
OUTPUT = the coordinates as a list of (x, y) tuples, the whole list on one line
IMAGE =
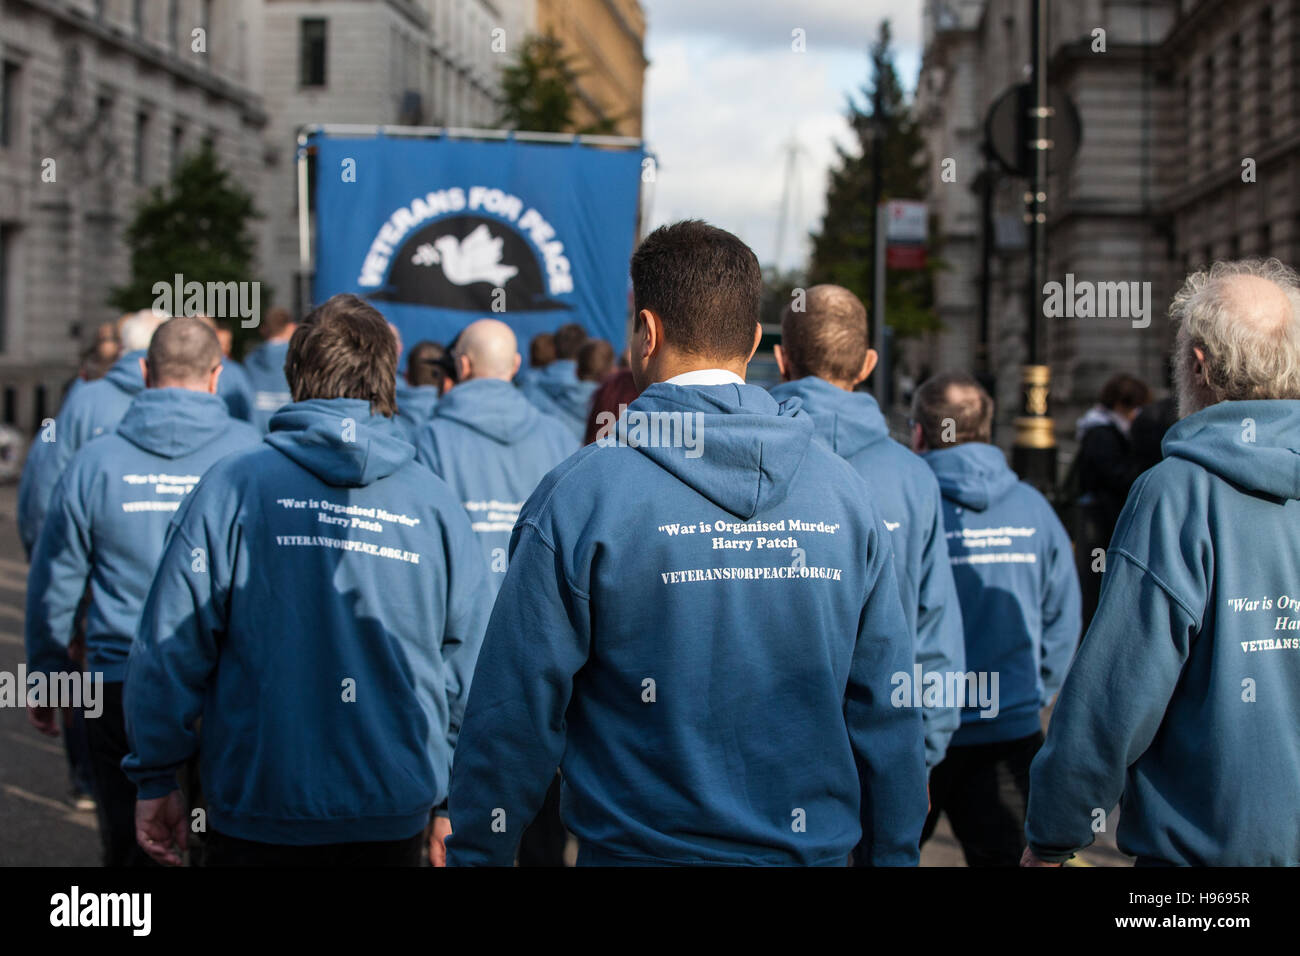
[(440, 232)]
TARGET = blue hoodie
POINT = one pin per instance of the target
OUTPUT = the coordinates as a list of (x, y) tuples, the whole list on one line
[(906, 494), (236, 390), (492, 447), (1020, 603), (88, 412), (265, 370), (1183, 702), (557, 391), (108, 519), (415, 405), (320, 603), (707, 702)]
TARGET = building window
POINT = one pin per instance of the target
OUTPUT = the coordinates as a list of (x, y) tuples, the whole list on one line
[(141, 169), (311, 53), (178, 144), (9, 104)]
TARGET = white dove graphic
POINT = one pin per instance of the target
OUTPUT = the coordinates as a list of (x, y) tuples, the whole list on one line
[(476, 258)]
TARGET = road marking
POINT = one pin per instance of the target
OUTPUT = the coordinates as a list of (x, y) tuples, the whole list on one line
[(68, 814)]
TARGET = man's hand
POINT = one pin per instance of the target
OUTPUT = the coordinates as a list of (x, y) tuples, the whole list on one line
[(437, 837), (42, 718), (1029, 859), (161, 827)]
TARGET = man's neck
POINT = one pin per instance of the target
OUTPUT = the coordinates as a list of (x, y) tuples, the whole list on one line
[(675, 365)]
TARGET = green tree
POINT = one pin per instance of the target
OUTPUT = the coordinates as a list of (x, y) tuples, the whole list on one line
[(540, 88), (197, 225), (843, 250)]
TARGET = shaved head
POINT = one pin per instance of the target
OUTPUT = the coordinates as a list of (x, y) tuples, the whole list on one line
[(490, 348), (827, 337), (183, 353)]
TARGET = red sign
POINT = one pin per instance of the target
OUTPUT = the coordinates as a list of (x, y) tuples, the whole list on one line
[(899, 256)]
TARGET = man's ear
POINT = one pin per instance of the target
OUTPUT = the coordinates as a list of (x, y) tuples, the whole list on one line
[(781, 365), (144, 371), (1199, 370), (463, 368), (868, 366), (213, 377), (758, 338), (649, 333), (918, 439), (519, 360)]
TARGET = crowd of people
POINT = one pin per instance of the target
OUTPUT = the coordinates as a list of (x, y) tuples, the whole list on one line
[(360, 617)]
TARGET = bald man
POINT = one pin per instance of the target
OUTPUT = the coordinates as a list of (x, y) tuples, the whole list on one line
[(823, 356), (107, 522), (1014, 571), (487, 441), (1183, 702)]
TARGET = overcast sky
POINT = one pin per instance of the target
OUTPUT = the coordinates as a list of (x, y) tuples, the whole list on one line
[(725, 95)]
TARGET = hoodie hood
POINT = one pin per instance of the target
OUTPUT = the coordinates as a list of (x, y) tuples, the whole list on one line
[(747, 447), (125, 373), (173, 422), (1255, 445), (849, 422), (559, 382), (339, 441), (490, 407), (973, 475)]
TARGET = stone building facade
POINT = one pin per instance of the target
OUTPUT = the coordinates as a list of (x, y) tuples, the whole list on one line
[(98, 99), (1190, 152)]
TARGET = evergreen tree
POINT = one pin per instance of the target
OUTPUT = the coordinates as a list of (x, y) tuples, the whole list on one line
[(539, 90), (196, 225), (843, 251)]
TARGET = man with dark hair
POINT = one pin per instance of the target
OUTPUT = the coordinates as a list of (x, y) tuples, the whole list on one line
[(557, 389), (595, 360), (541, 350), (333, 572), (1012, 563), (700, 620), (105, 531), (419, 390), (265, 366), (823, 355)]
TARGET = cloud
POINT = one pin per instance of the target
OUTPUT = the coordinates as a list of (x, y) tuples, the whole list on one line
[(725, 95)]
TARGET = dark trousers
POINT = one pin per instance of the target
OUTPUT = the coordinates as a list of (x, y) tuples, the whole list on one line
[(984, 789), (114, 791), (222, 850), (543, 840)]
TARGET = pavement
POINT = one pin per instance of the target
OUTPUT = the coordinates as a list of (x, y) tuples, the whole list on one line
[(39, 825)]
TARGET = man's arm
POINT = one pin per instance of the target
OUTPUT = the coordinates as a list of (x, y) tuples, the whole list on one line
[(1062, 609), (940, 640), (512, 738), (59, 574), (888, 741), (174, 653), (469, 605), (1109, 710)]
